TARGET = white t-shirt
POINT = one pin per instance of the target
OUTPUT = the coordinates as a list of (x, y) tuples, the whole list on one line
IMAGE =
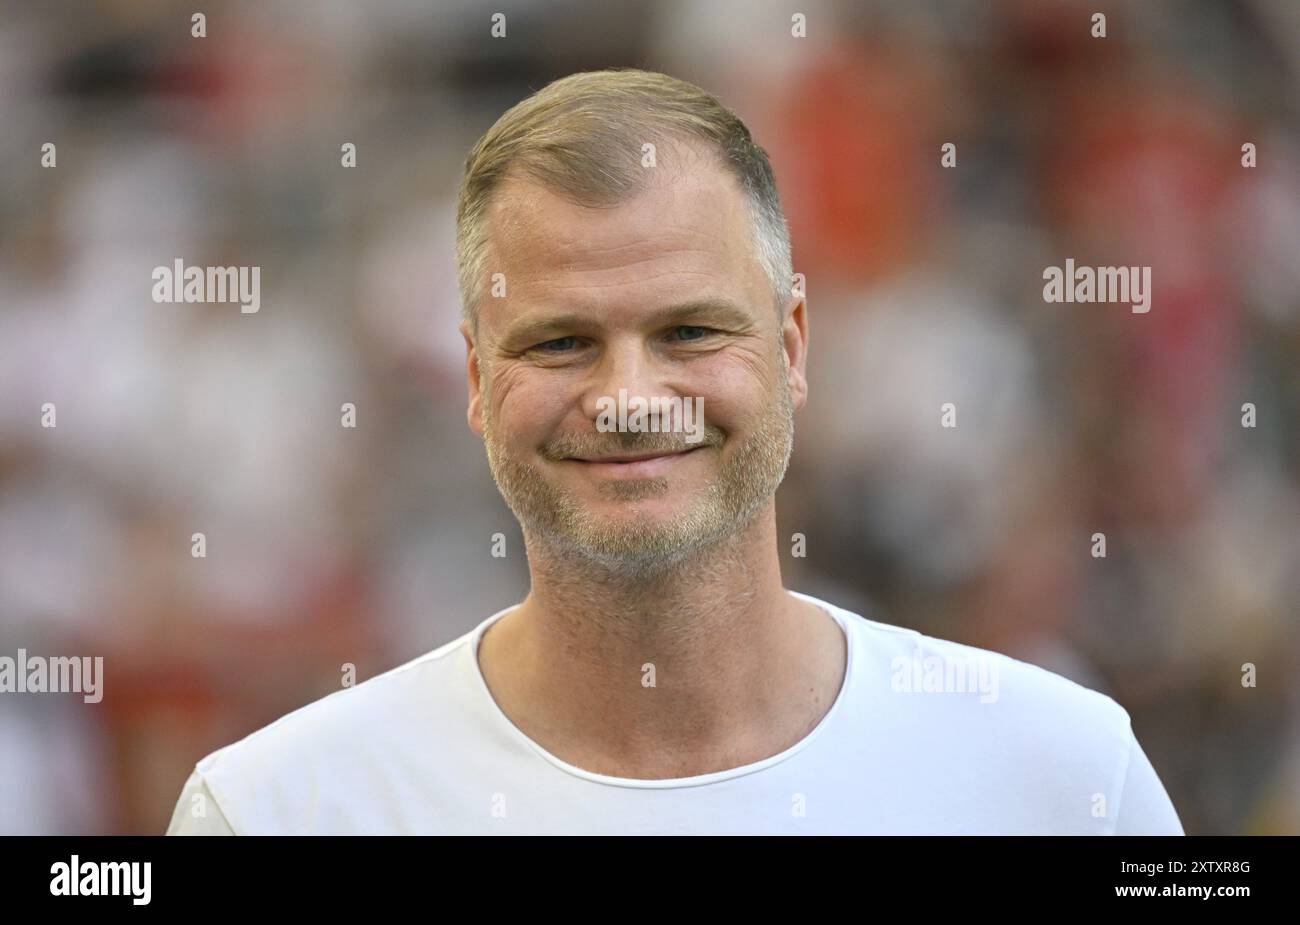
[(925, 736)]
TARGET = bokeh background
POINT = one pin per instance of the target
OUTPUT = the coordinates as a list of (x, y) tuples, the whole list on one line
[(371, 545)]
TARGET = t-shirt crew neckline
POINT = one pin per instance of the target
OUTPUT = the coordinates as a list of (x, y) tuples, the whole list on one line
[(668, 783)]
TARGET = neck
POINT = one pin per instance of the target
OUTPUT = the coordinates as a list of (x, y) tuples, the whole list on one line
[(707, 666)]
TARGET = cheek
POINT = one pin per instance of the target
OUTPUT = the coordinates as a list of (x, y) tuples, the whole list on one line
[(534, 404), (735, 393)]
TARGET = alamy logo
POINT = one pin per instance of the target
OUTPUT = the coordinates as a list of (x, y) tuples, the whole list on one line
[(1099, 284), (104, 878), (657, 415), (180, 283), (58, 675), (933, 674)]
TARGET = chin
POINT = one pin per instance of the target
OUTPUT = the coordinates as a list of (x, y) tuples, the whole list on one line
[(645, 514), (639, 559)]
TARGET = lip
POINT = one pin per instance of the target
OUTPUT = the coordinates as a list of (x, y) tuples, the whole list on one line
[(643, 465)]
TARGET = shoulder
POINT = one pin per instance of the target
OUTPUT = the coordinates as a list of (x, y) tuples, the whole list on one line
[(345, 742), (986, 701)]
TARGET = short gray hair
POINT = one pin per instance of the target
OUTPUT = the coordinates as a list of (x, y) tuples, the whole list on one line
[(581, 136)]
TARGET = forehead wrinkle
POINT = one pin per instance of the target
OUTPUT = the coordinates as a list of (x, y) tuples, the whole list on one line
[(514, 209), (549, 253), (552, 247)]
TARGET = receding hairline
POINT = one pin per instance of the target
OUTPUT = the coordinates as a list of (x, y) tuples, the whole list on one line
[(583, 138), (688, 155), (517, 181)]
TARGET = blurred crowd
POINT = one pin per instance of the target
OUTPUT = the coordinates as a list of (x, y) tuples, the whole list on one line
[(329, 546)]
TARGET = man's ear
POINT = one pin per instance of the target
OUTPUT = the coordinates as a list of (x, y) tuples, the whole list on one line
[(474, 414), (794, 338)]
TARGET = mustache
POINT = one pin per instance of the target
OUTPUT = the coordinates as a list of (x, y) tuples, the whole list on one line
[(568, 446)]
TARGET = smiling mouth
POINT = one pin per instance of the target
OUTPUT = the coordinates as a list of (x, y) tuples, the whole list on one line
[(632, 457)]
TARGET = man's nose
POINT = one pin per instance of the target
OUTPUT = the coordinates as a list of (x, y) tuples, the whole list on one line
[(623, 365)]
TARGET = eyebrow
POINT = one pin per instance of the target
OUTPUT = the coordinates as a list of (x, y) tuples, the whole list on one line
[(723, 311)]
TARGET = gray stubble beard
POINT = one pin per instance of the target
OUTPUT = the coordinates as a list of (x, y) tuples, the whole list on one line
[(569, 532)]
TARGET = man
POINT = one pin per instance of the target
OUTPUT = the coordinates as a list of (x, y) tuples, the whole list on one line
[(619, 234)]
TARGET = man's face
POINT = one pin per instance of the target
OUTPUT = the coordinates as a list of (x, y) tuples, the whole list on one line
[(661, 296)]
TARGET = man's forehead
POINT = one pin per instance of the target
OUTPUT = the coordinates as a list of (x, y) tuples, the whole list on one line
[(687, 237), (625, 272), (701, 208)]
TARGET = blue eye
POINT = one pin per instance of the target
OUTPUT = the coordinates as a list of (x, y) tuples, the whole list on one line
[(556, 346), (702, 332)]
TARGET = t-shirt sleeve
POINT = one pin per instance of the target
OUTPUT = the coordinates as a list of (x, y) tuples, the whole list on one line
[(197, 812), (1144, 806)]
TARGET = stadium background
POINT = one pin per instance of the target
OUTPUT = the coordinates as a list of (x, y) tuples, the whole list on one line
[(370, 546)]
